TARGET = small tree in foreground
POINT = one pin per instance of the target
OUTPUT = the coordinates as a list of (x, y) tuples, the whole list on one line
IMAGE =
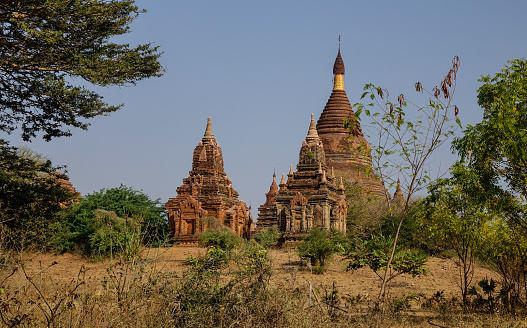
[(375, 254), (319, 246), (405, 141), (452, 214)]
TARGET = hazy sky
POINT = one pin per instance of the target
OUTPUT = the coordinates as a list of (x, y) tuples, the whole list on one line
[(260, 68)]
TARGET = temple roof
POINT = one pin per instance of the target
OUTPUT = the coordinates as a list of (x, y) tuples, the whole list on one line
[(337, 109)]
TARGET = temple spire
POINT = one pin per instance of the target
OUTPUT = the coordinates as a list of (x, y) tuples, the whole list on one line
[(274, 186), (208, 137), (312, 134), (338, 71), (283, 183)]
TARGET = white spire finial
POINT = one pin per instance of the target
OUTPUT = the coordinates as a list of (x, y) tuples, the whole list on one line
[(312, 134), (208, 136)]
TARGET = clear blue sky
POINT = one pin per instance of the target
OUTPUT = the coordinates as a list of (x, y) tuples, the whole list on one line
[(260, 68)]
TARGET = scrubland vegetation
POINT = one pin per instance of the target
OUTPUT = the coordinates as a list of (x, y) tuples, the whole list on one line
[(474, 217), (215, 287)]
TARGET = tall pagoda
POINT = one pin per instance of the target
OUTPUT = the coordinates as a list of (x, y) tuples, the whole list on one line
[(347, 151), (206, 197)]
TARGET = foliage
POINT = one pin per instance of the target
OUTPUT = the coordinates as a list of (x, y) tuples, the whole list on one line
[(318, 246), (365, 214), (496, 148), (203, 299), (452, 214), (46, 45), (504, 245), (114, 235), (405, 144), (403, 303), (375, 254), (488, 287), (80, 223), (30, 198), (266, 237), (223, 238), (496, 154), (407, 141), (410, 234)]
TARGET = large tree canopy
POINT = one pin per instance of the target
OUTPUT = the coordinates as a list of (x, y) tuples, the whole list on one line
[(46, 44), (496, 148)]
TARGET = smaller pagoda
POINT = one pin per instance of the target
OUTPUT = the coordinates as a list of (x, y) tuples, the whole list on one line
[(267, 212), (311, 198), (206, 199)]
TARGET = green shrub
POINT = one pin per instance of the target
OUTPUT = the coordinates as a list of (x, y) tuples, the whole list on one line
[(223, 238), (319, 246), (114, 235), (209, 296), (375, 252), (267, 237)]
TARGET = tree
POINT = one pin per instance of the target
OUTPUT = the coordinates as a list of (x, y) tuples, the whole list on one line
[(319, 246), (504, 245), (496, 152), (30, 198), (404, 144), (132, 206), (267, 237), (375, 254), (451, 213), (496, 148), (46, 46)]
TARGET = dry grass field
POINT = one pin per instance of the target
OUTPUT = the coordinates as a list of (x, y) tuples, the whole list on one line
[(70, 291)]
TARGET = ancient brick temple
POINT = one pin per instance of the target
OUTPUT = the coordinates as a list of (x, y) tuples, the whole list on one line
[(311, 197), (206, 197), (347, 152)]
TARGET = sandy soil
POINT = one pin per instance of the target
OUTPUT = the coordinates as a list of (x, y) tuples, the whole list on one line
[(442, 276)]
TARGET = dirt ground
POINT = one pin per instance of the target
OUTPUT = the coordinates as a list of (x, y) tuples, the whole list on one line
[(443, 274)]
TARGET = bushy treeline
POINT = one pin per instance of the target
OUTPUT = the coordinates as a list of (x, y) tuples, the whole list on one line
[(111, 221), (38, 212), (31, 197)]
